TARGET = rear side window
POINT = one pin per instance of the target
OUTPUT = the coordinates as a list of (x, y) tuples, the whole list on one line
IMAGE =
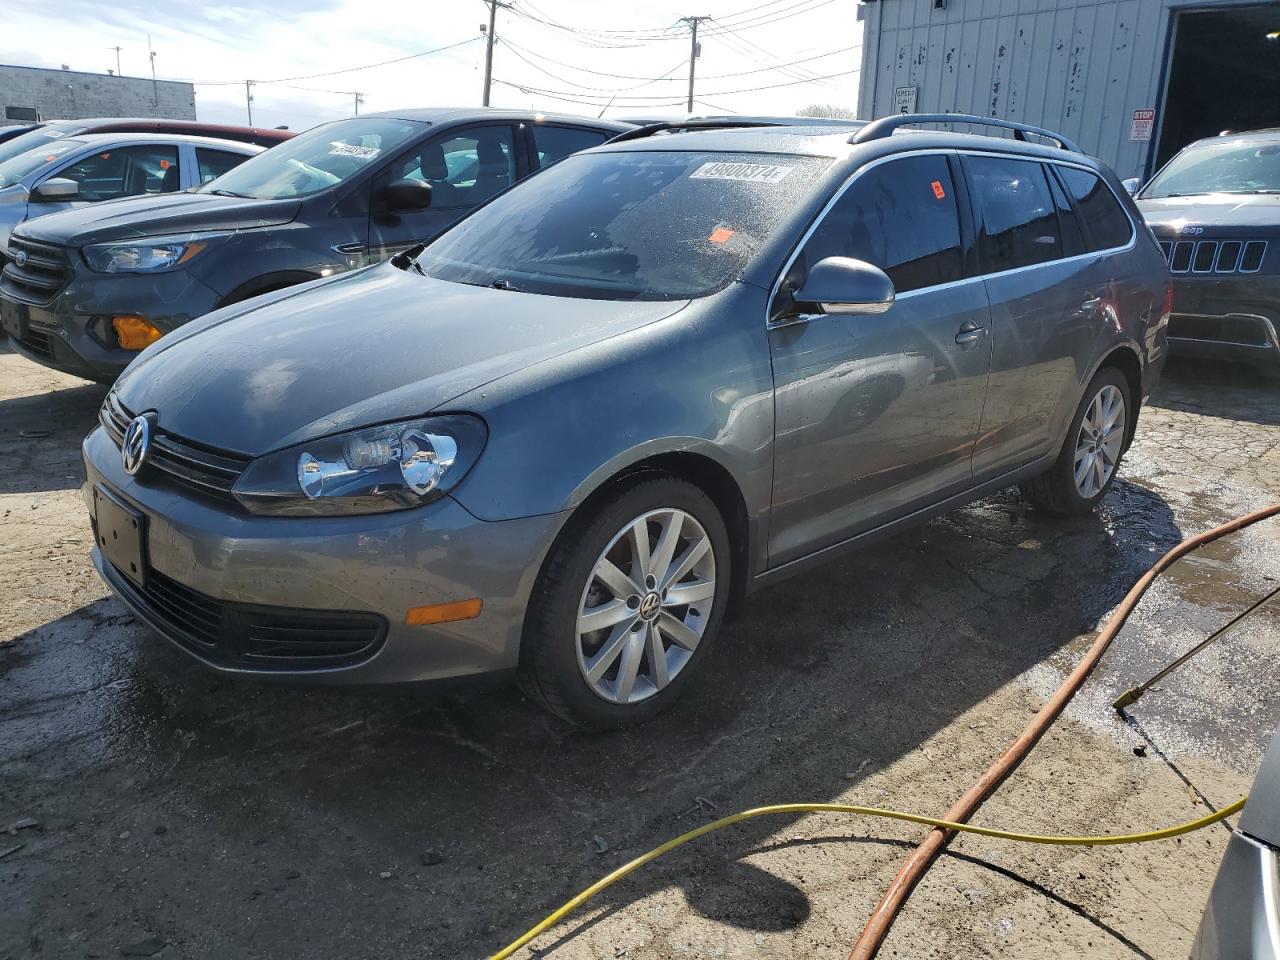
[(899, 216), (214, 163), (556, 143), (1105, 219), (1018, 223)]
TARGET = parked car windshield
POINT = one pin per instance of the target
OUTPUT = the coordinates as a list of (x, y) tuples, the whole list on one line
[(1233, 167), (39, 137), (321, 158), (17, 167), (626, 226)]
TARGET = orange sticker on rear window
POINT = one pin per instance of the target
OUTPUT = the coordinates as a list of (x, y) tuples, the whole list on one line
[(721, 235), (938, 191)]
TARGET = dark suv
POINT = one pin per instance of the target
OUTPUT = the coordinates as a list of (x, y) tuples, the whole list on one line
[(1215, 208), (339, 196)]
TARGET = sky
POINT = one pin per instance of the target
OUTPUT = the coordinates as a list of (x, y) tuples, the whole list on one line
[(569, 56)]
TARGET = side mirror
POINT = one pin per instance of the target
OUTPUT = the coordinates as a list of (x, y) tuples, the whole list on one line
[(402, 196), (1132, 185), (842, 285), (58, 188)]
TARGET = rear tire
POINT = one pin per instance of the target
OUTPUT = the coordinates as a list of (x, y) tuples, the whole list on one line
[(627, 605), (1091, 452)]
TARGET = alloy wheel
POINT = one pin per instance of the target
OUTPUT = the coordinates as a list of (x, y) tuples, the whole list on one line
[(1099, 441), (646, 606)]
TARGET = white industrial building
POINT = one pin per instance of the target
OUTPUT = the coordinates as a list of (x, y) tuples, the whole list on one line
[(1131, 81)]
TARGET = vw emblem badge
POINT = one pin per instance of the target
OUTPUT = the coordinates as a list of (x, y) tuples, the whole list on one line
[(20, 258), (137, 444)]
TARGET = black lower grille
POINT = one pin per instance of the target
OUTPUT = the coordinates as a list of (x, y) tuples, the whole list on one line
[(1245, 331), (37, 342), (253, 636), (209, 472)]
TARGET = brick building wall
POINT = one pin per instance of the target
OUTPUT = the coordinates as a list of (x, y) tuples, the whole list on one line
[(69, 94)]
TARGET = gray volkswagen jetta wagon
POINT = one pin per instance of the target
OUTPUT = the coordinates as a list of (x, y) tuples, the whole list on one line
[(571, 434)]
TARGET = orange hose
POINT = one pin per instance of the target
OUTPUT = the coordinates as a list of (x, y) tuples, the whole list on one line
[(891, 904)]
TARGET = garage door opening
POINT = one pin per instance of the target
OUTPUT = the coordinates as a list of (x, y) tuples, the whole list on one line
[(1224, 75)]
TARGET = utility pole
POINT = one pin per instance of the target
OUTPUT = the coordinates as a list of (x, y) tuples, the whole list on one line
[(155, 87), (694, 51), (359, 100), (119, 73), (488, 45), (248, 99)]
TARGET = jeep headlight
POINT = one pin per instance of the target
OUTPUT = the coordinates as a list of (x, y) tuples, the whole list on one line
[(147, 256), (389, 467)]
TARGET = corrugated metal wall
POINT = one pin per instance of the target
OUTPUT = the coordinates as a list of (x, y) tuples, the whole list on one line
[(1077, 66)]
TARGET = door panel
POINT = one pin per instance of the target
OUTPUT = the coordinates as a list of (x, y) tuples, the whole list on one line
[(1043, 309), (464, 167), (876, 415)]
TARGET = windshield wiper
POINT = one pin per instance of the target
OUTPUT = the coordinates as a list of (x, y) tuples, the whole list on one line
[(409, 258), (227, 193), (501, 284)]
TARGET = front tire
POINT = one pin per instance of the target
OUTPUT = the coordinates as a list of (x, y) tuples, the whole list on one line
[(1090, 457), (629, 600)]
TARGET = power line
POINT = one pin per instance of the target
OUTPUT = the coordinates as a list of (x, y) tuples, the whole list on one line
[(632, 76), (528, 88), (332, 73), (573, 83)]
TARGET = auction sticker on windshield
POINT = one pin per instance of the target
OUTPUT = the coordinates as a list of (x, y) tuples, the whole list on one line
[(353, 150), (745, 172)]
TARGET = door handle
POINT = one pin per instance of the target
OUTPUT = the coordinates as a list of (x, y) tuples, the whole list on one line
[(970, 333)]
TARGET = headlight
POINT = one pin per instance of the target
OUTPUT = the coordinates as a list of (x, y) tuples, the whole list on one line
[(391, 467), (146, 256)]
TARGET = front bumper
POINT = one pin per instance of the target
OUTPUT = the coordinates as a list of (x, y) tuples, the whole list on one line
[(1226, 318), (381, 564), (72, 332), (1242, 918)]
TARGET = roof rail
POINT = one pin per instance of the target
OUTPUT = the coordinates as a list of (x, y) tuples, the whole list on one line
[(712, 123), (884, 127)]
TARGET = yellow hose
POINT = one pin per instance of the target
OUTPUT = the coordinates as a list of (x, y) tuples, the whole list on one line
[(612, 878)]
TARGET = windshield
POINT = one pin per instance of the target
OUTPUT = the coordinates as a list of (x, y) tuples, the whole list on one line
[(1233, 167), (321, 158), (31, 160), (626, 226), (39, 137)]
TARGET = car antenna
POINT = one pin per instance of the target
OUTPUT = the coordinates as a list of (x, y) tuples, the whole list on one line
[(406, 257)]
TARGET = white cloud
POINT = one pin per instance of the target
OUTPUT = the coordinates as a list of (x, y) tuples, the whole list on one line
[(200, 41)]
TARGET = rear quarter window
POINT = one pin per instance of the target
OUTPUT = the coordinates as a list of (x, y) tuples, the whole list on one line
[(1104, 218)]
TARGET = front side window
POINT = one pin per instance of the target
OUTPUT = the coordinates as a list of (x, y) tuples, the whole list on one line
[(463, 170), (648, 225), (318, 159), (1105, 219), (1018, 222), (214, 163), (899, 216), (556, 143), (1233, 167), (125, 172)]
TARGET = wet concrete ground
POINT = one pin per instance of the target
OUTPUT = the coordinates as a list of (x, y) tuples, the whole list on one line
[(186, 815)]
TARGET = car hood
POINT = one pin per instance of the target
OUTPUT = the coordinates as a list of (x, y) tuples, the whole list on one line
[(153, 216), (363, 348), (1220, 214)]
